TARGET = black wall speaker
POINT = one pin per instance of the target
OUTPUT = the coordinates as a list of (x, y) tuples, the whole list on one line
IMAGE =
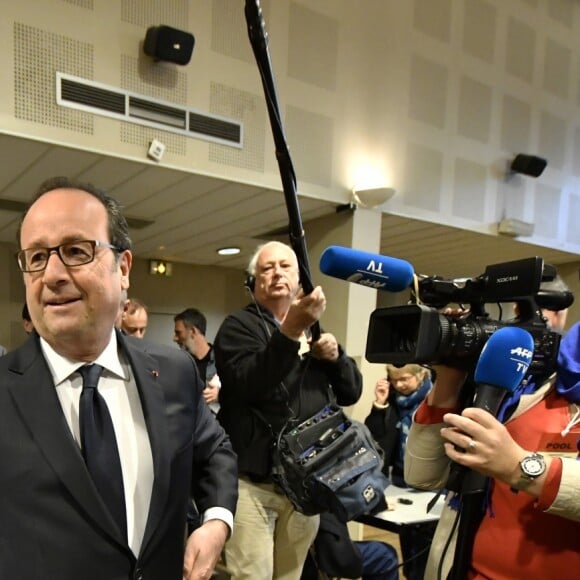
[(168, 44), (528, 165)]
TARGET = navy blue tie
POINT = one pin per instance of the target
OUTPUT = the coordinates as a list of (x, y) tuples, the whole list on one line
[(99, 446)]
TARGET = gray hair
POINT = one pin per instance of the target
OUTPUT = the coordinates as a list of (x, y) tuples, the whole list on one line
[(253, 263), (555, 285)]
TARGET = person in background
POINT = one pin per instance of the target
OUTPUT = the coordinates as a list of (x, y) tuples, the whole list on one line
[(3, 350), (26, 321), (336, 555), (272, 376), (555, 319), (134, 318), (103, 439), (397, 396), (189, 333)]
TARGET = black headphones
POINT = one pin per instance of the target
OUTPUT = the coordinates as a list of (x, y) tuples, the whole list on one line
[(250, 282)]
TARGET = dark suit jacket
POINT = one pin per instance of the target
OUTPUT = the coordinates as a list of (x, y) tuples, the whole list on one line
[(53, 525)]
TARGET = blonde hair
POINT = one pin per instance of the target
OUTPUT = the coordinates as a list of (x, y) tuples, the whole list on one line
[(416, 370)]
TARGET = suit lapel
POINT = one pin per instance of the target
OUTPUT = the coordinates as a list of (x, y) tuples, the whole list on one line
[(32, 389), (146, 372)]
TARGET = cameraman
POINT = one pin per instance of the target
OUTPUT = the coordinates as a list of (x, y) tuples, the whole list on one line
[(531, 524), (555, 319), (266, 382)]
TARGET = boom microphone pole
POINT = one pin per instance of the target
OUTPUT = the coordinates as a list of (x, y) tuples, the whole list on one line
[(259, 42)]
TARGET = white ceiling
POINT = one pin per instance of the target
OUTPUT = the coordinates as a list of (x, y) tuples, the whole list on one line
[(193, 215)]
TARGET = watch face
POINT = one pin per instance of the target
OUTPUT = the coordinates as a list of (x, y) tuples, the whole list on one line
[(533, 466)]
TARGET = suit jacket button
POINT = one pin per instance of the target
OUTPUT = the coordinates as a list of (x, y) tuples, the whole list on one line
[(139, 574)]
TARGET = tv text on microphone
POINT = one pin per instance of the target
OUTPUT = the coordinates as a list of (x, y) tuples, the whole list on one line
[(419, 333), (501, 367)]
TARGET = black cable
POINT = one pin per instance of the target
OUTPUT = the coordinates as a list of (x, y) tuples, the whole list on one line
[(411, 559)]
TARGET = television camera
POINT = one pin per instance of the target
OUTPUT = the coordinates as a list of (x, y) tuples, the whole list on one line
[(419, 333)]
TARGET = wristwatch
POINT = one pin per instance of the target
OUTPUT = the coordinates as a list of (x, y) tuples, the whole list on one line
[(532, 466)]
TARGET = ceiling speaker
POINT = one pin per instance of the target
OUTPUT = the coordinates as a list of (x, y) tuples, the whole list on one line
[(168, 44), (528, 165)]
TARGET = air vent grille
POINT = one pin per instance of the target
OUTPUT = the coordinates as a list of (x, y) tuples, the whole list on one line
[(157, 112), (215, 127), (77, 93), (93, 96)]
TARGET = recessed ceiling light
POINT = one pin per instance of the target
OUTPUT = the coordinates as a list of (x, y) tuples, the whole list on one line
[(228, 251)]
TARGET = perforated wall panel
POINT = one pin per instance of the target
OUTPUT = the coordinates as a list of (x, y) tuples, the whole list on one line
[(251, 111), (166, 83), (140, 135), (38, 55), (153, 12)]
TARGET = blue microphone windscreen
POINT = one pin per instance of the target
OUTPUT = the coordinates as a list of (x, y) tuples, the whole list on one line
[(505, 358), (373, 270)]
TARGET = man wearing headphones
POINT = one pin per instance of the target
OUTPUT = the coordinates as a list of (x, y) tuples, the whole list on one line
[(270, 376)]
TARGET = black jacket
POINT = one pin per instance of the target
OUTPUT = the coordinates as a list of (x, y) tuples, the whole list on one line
[(54, 524), (260, 370), (383, 425)]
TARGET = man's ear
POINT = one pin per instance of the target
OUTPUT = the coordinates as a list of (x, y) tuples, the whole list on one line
[(125, 262), (125, 306)]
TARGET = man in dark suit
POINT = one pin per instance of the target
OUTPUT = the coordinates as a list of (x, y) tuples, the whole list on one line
[(57, 522)]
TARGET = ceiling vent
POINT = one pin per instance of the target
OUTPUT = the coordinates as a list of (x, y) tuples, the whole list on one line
[(84, 95)]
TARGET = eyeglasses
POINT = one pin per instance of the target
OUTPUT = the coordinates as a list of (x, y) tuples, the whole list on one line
[(403, 379), (70, 254)]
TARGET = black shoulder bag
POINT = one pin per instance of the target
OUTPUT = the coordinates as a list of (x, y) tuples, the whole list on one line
[(330, 463)]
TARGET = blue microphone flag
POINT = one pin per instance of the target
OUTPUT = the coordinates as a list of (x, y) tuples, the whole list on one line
[(367, 269)]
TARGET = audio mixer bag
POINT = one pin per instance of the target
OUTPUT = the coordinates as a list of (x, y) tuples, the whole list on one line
[(330, 463)]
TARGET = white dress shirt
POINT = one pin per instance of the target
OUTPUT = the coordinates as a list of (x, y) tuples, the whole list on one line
[(119, 389)]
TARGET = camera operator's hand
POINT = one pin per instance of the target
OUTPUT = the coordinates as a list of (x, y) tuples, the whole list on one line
[(304, 311), (325, 348), (382, 388), (488, 447)]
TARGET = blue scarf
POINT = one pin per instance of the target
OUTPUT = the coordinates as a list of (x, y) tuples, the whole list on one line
[(568, 379), (407, 404)]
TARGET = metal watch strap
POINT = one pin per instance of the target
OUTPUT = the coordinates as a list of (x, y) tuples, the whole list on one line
[(526, 478)]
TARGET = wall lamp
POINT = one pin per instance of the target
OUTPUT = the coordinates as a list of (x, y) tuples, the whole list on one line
[(160, 268), (372, 196)]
